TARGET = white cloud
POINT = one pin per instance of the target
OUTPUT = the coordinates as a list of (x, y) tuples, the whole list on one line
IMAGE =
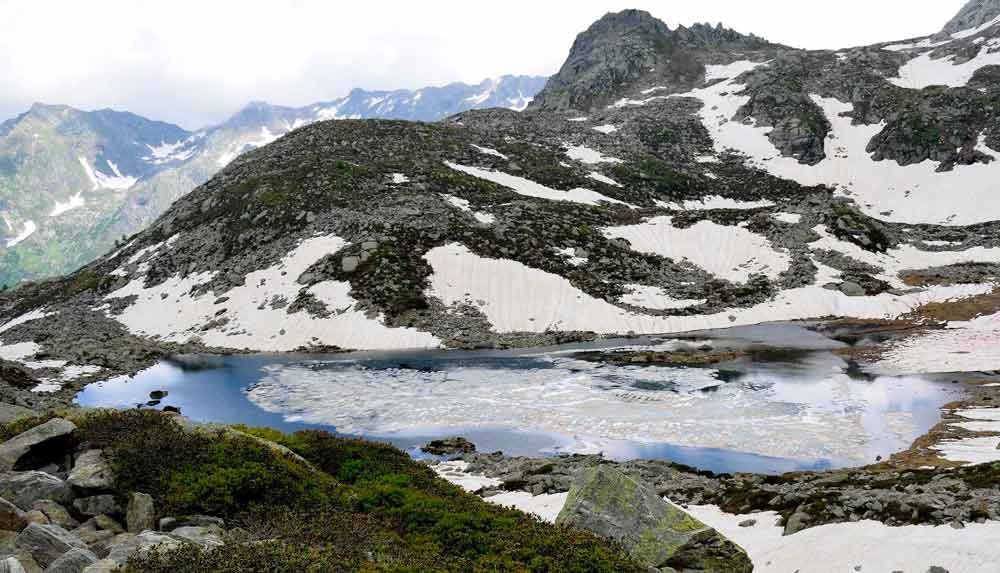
[(196, 62)]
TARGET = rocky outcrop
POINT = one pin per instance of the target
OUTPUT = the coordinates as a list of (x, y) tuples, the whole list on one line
[(75, 524), (610, 504), (622, 48), (974, 14), (448, 447)]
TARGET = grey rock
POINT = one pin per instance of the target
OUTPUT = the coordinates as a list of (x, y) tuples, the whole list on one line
[(350, 264), (852, 289), (207, 536), (168, 524), (23, 489), (75, 560), (797, 522), (14, 449), (141, 513), (11, 517), (612, 505), (142, 544), (56, 513), (91, 471), (937, 569), (748, 523), (46, 543), (97, 504)]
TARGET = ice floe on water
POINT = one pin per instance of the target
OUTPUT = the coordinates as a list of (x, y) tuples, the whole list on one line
[(811, 410)]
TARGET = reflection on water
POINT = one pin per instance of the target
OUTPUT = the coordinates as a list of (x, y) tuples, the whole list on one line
[(776, 410)]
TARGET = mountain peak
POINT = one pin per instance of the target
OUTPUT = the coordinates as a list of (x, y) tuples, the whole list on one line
[(623, 48), (973, 15)]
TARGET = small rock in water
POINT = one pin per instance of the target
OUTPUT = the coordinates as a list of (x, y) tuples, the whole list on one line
[(449, 447), (158, 394), (172, 409)]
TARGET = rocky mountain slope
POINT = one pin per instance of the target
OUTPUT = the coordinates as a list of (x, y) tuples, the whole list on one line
[(753, 183), (74, 182)]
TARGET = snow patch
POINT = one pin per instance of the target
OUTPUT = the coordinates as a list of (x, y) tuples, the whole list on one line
[(729, 71), (715, 202), (924, 71), (464, 205), (588, 156), (29, 229), (655, 298), (116, 182), (859, 546), (496, 287), (74, 202), (606, 129), (488, 151), (529, 188), (883, 189), (731, 253), (255, 315)]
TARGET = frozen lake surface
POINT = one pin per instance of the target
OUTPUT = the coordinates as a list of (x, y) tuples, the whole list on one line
[(792, 404)]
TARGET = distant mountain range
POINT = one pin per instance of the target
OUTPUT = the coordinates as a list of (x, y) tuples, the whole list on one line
[(73, 182)]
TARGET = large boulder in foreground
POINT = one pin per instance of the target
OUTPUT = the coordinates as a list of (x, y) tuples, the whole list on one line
[(608, 503), (53, 434)]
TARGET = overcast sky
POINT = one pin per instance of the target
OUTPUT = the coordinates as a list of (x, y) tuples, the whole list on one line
[(196, 62)]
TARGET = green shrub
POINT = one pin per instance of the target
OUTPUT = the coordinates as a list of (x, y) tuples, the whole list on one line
[(356, 506)]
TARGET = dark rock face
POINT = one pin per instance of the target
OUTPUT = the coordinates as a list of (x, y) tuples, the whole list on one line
[(620, 49), (974, 14), (613, 505)]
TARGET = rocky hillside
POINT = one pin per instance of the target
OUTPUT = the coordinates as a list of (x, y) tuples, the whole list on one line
[(141, 491), (72, 183), (763, 183)]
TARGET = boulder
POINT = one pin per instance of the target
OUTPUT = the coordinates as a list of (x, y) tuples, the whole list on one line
[(171, 523), (207, 536), (23, 489), (11, 565), (98, 504), (52, 434), (46, 543), (91, 472), (11, 516), (75, 560), (142, 544), (610, 504), (141, 513), (56, 513)]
